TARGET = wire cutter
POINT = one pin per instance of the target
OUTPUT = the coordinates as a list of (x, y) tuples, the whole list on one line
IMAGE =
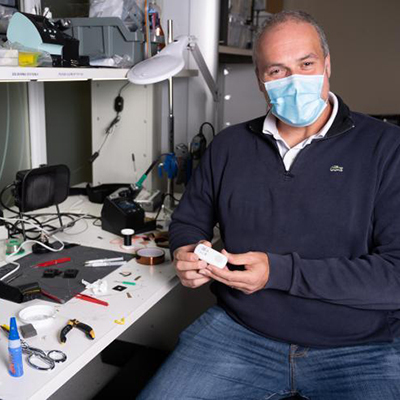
[(74, 323)]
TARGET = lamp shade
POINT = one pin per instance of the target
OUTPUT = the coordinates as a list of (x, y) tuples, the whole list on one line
[(167, 63)]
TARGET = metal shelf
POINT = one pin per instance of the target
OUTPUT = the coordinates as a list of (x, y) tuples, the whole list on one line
[(234, 51), (27, 74)]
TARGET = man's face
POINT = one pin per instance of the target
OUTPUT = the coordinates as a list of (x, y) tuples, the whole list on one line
[(291, 48)]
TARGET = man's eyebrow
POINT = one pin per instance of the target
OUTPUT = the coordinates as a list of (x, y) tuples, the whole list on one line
[(275, 65), (310, 55)]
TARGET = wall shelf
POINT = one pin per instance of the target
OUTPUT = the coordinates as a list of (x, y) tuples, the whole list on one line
[(234, 55), (27, 74), (234, 51)]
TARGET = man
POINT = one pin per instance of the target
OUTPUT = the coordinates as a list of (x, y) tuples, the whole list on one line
[(308, 204)]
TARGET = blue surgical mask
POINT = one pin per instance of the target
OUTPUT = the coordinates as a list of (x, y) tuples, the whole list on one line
[(296, 100)]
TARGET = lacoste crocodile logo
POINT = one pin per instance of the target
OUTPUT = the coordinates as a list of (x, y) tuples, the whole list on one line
[(336, 168)]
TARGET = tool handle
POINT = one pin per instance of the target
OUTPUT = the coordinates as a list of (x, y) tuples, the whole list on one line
[(87, 329), (64, 331)]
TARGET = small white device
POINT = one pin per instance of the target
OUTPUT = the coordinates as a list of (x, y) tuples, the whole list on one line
[(210, 256)]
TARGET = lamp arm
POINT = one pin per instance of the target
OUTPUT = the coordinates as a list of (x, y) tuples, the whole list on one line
[(198, 56)]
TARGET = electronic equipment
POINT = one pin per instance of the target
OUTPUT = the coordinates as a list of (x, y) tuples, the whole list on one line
[(36, 32), (97, 194), (149, 201), (211, 256), (41, 187), (20, 294), (120, 211)]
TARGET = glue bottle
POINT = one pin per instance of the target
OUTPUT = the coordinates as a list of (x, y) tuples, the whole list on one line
[(15, 350)]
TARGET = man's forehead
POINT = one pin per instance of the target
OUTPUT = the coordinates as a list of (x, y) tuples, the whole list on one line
[(298, 38), (292, 27)]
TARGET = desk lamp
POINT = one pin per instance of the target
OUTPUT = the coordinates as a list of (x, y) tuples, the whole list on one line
[(164, 65)]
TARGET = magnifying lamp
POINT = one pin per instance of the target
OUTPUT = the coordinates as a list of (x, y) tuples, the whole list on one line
[(169, 62), (165, 65)]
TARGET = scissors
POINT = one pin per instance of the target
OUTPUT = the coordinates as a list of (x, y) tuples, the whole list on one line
[(42, 360)]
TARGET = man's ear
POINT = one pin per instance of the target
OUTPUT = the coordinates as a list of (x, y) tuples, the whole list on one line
[(260, 84), (328, 65)]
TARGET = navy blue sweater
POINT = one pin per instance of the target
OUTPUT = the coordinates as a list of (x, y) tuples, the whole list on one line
[(330, 226)]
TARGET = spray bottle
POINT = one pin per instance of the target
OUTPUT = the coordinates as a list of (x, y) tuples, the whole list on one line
[(15, 350)]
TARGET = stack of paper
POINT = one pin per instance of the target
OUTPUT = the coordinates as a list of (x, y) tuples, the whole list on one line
[(8, 58)]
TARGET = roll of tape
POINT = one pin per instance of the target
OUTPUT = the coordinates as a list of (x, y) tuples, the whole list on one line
[(150, 256)]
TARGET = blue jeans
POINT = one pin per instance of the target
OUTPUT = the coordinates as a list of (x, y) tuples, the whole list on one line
[(217, 358)]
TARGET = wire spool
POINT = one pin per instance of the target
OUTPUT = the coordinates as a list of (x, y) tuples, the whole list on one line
[(127, 233), (12, 246), (150, 256)]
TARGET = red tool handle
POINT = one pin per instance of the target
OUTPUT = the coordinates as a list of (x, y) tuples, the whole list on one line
[(54, 262), (91, 299)]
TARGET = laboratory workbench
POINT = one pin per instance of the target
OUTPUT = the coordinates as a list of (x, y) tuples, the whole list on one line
[(124, 309)]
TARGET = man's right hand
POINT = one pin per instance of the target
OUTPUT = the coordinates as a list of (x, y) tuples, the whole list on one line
[(187, 264)]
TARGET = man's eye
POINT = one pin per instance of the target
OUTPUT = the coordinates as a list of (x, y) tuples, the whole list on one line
[(275, 72), (308, 64)]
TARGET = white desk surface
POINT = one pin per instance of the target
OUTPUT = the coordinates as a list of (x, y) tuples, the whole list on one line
[(154, 284)]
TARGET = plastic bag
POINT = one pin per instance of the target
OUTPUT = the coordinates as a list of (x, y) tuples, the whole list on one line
[(106, 8), (5, 15), (115, 61), (30, 57), (131, 12)]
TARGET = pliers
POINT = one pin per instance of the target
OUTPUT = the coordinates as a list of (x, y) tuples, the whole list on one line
[(74, 323)]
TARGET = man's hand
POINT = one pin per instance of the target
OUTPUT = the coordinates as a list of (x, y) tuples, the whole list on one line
[(187, 265), (253, 278)]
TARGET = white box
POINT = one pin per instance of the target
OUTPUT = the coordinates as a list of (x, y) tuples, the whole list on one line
[(8, 62)]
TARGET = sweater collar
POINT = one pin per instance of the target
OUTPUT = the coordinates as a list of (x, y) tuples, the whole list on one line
[(342, 123)]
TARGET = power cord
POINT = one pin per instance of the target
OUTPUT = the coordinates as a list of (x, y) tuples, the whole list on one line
[(118, 107), (8, 256)]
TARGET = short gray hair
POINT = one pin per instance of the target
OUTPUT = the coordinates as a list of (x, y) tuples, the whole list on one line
[(284, 16)]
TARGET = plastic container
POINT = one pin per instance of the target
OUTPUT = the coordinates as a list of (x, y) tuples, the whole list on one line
[(28, 59), (40, 316), (106, 37)]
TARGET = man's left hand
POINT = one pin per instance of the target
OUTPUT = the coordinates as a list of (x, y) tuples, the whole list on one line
[(253, 278)]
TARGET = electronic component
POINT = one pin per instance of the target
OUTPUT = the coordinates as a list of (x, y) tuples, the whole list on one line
[(211, 256), (120, 211), (51, 273), (70, 273), (21, 293), (149, 201)]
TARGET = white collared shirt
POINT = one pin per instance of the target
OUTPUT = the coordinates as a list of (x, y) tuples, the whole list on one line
[(288, 153)]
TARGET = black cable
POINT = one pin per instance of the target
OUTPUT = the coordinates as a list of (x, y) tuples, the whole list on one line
[(164, 196), (123, 88), (45, 224), (1, 198), (97, 219), (210, 125), (118, 107), (108, 133), (13, 228)]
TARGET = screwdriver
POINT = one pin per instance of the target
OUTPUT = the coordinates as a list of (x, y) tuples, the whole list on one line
[(126, 283)]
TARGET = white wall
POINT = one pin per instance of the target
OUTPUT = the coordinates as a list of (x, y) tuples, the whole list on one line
[(239, 86), (364, 39)]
